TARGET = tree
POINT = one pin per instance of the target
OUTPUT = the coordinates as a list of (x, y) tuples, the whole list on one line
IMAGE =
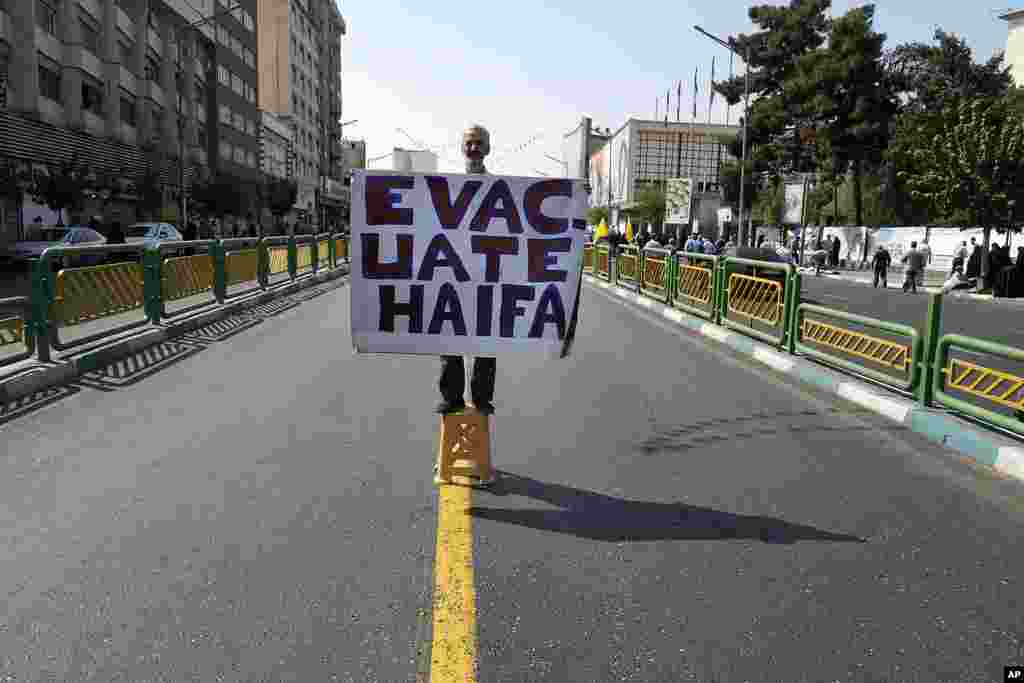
[(650, 206), (281, 194), (596, 214), (973, 167), (64, 189), (847, 96)]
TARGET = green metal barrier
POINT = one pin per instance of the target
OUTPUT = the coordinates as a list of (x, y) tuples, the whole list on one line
[(756, 298), (305, 253), (990, 385), (183, 277), (627, 266), (694, 286), (656, 269), (846, 345)]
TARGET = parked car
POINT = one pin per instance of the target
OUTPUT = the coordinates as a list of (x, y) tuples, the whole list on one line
[(43, 238)]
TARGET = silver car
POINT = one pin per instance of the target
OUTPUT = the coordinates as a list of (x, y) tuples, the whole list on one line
[(71, 236), (151, 233)]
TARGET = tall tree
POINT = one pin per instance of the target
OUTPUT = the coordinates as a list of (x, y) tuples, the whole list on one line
[(974, 166), (281, 195), (64, 189), (844, 90)]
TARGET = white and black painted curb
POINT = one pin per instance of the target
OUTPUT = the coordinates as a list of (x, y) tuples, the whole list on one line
[(981, 445), (31, 376)]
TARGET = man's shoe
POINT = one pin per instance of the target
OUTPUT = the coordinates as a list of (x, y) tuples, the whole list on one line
[(484, 408), (446, 408)]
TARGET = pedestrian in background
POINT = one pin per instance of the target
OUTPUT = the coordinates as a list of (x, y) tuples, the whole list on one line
[(915, 263), (880, 263)]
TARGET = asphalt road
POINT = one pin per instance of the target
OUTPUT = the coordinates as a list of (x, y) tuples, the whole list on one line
[(262, 510), (1000, 321)]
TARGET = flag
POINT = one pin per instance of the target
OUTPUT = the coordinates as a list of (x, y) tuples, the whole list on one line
[(695, 92), (629, 231), (679, 98), (602, 231), (668, 100), (711, 100)]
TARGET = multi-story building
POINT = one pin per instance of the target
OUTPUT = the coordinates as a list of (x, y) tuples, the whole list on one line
[(275, 146), (300, 80), (1015, 43), (120, 84), (353, 154), (646, 153)]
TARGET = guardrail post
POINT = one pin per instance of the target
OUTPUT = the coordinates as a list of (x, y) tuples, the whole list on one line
[(293, 258), (332, 253), (792, 303), (220, 274), (718, 273), (263, 263), (152, 289), (933, 326), (42, 298), (671, 268)]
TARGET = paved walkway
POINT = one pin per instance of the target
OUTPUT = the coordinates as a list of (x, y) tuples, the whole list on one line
[(263, 510)]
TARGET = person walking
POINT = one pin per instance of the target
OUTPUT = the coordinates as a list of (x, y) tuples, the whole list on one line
[(476, 145), (880, 263), (915, 264), (835, 252)]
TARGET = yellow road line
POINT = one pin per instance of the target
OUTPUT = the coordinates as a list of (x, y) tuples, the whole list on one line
[(454, 649)]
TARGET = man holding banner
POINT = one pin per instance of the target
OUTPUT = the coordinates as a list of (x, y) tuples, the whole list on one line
[(472, 264)]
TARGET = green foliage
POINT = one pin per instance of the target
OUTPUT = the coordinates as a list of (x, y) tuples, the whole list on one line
[(973, 165), (596, 214), (650, 206), (281, 195), (64, 187)]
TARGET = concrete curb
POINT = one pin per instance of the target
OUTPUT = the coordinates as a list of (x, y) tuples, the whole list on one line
[(30, 376), (985, 447)]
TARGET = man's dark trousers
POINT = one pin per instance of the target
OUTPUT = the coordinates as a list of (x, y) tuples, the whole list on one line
[(453, 380)]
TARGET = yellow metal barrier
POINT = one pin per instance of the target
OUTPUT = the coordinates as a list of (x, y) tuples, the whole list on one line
[(323, 253), (186, 276), (278, 260), (84, 294), (881, 351), (242, 266), (341, 248), (655, 270), (755, 298), (12, 331), (996, 386), (305, 257), (694, 282)]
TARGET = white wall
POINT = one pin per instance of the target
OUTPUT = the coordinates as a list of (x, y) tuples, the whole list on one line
[(1015, 49)]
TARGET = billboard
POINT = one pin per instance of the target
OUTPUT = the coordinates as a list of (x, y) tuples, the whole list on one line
[(678, 192), (794, 210)]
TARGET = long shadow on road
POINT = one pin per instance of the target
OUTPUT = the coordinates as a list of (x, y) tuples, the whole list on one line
[(600, 517)]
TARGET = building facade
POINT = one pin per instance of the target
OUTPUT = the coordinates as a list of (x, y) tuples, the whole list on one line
[(1015, 44), (645, 154), (123, 86), (275, 146), (300, 81), (574, 157)]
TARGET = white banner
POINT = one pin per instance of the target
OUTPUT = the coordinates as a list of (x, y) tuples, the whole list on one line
[(724, 215), (454, 264), (677, 201), (794, 204)]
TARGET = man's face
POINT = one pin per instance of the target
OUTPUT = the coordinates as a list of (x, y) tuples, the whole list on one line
[(474, 146)]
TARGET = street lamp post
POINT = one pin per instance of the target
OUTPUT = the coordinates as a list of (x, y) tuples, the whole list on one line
[(322, 189), (731, 46)]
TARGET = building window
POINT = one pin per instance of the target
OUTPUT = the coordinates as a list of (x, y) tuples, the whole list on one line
[(251, 128), (225, 151), (247, 21), (90, 34), (158, 123), (201, 136), (251, 158), (128, 110), (236, 84), (223, 76), (46, 17), (200, 94), (225, 114), (238, 121), (239, 156), (249, 58), (222, 35), (49, 78)]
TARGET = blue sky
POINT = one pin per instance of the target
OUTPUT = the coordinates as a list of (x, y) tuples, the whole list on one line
[(528, 70)]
